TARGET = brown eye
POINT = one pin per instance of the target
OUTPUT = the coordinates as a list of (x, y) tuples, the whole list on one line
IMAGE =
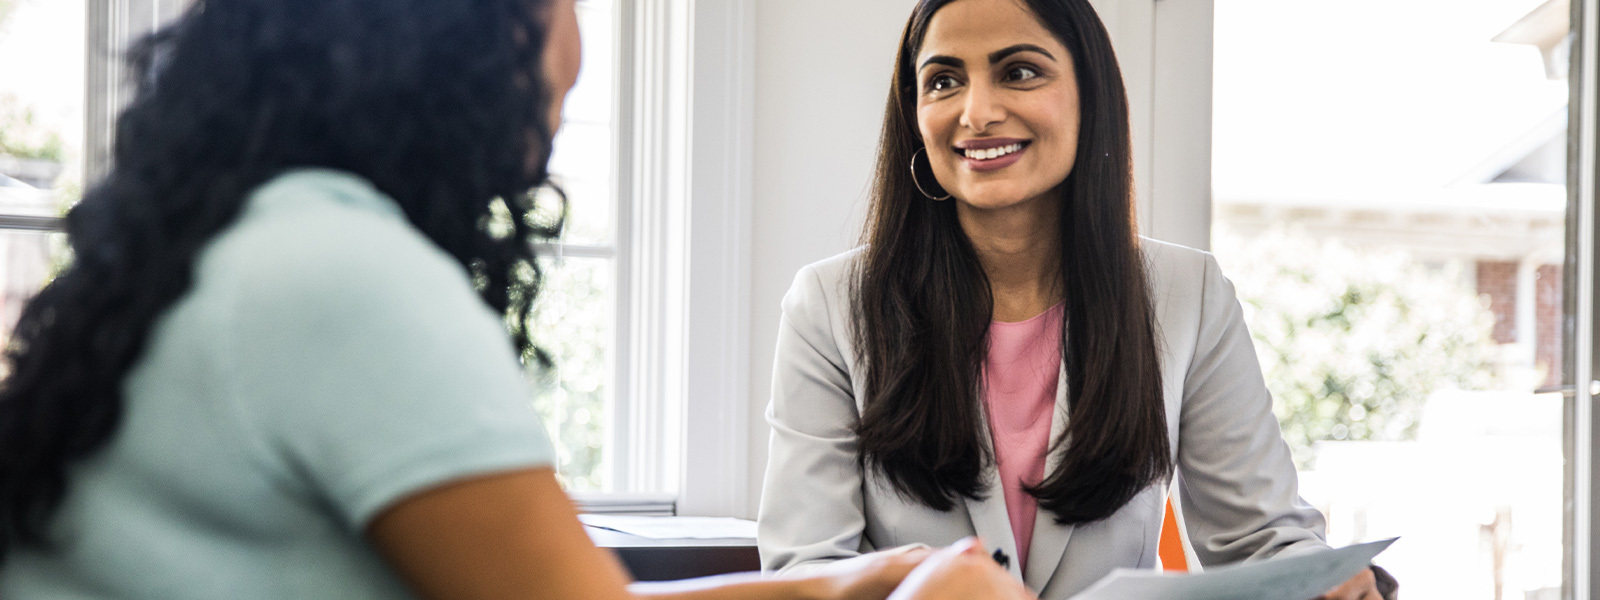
[(941, 83), (1022, 73)]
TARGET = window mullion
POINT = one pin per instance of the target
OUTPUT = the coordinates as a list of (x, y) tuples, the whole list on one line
[(648, 414), (1582, 564)]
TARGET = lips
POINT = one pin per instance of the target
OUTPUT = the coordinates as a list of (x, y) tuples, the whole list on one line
[(990, 154)]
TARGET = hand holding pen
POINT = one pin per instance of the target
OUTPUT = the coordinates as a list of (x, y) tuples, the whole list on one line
[(962, 571)]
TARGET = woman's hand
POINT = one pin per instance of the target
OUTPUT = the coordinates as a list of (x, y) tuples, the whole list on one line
[(1364, 586), (873, 576), (866, 577), (960, 572)]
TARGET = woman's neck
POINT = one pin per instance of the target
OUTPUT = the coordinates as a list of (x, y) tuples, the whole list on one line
[(1020, 252)]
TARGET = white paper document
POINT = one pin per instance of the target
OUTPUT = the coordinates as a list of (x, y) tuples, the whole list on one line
[(668, 528), (1300, 577)]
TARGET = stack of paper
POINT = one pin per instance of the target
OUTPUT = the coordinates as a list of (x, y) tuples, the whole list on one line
[(1293, 578), (662, 528)]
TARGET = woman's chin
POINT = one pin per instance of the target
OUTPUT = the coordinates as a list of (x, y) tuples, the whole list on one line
[(994, 200)]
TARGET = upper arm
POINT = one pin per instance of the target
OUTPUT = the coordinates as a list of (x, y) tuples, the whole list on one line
[(1239, 485), (811, 503)]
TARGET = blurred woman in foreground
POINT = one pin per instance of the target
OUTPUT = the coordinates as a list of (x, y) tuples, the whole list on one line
[(278, 365)]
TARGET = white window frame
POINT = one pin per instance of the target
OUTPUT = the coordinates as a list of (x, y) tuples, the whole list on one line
[(684, 183), (1582, 564), (113, 26)]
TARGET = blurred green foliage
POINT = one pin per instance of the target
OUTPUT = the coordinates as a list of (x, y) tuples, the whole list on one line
[(21, 135), (1352, 342), (572, 322)]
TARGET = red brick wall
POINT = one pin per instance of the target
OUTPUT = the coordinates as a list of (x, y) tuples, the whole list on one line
[(1547, 336), (1498, 281)]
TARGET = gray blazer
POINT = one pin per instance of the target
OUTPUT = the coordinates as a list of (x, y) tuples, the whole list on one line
[(1237, 485)]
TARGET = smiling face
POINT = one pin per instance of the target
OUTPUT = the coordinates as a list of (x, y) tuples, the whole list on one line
[(997, 104)]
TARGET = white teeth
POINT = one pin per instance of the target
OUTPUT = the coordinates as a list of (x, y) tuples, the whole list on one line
[(992, 153)]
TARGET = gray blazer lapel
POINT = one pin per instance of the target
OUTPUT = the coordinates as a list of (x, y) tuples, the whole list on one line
[(992, 526), (1049, 538), (989, 519)]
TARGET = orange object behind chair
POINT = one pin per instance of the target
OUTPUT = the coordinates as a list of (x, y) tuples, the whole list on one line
[(1170, 549)]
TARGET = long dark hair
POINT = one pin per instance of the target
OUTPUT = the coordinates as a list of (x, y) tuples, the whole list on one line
[(441, 104), (923, 307)]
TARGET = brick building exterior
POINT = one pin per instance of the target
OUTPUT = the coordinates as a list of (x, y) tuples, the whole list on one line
[(1499, 283)]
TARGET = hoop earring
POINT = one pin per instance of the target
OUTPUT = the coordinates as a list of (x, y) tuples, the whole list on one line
[(914, 180)]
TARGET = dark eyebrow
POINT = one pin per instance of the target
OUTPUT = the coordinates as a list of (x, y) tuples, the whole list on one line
[(940, 59), (994, 57), (1001, 54)]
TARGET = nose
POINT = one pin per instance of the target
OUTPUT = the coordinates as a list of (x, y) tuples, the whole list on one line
[(983, 108)]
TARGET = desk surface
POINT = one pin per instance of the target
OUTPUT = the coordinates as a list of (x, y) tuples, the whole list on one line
[(606, 538)]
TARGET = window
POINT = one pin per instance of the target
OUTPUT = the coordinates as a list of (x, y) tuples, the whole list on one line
[(574, 319), (1390, 200), (42, 48)]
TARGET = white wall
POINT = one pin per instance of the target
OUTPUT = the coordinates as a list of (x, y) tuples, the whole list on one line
[(822, 77)]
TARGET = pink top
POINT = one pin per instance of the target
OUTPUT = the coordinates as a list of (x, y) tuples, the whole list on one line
[(1020, 375)]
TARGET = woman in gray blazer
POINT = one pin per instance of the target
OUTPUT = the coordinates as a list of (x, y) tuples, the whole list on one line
[(1017, 208)]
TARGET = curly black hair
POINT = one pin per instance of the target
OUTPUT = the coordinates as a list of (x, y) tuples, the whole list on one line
[(441, 104)]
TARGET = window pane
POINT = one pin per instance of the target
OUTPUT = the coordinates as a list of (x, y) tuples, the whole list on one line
[(573, 323), (581, 166), (41, 102), (574, 314), (27, 260), (582, 160), (1390, 201)]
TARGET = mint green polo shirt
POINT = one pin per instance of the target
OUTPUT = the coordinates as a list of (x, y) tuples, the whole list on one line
[(328, 362)]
